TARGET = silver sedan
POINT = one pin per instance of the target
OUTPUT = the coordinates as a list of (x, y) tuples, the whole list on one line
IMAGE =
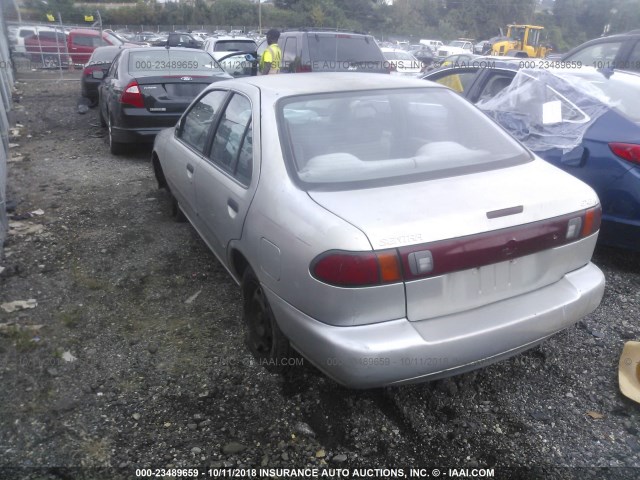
[(382, 227)]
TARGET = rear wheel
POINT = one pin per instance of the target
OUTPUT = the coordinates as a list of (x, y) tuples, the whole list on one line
[(264, 338), (103, 122), (176, 212), (50, 61), (115, 148)]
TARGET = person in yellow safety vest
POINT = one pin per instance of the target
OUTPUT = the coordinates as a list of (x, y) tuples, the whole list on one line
[(272, 56)]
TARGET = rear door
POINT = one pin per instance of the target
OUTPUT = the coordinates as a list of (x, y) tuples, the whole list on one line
[(226, 179), (184, 156)]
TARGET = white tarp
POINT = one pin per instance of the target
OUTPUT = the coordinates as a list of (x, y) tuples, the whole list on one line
[(547, 109)]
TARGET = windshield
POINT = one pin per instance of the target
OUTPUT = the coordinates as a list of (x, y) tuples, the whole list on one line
[(390, 134), (457, 43), (172, 62)]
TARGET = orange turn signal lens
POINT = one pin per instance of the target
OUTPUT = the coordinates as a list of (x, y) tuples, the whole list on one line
[(389, 266)]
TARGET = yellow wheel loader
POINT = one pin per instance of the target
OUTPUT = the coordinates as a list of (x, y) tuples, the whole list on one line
[(521, 41)]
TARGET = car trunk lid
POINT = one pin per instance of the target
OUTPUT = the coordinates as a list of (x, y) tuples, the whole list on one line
[(491, 235), (173, 93)]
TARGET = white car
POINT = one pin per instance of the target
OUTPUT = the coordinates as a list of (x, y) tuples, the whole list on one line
[(219, 47), (432, 44), (402, 62), (455, 47), (383, 227)]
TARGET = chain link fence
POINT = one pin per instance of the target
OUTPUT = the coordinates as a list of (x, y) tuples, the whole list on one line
[(6, 88)]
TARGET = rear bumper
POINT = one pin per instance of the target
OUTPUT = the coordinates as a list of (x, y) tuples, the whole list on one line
[(141, 125), (400, 351), (135, 135)]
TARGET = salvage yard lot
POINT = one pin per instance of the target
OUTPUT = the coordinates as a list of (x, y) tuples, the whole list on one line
[(134, 354)]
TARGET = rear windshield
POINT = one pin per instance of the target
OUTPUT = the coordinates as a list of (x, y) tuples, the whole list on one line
[(172, 62), (343, 48), (399, 135), (234, 45), (398, 55), (104, 55)]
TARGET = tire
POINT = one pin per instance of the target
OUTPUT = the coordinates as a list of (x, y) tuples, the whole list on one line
[(50, 61), (103, 122), (176, 212), (263, 337), (114, 147)]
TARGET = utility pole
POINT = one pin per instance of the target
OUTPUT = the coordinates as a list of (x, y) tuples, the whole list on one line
[(260, 17), (15, 4)]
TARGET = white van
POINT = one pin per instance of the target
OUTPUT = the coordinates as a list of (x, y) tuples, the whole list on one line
[(434, 45)]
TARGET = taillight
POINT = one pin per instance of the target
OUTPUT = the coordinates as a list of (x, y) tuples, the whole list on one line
[(303, 68), (391, 67), (357, 269), (361, 269), (627, 151), (132, 96)]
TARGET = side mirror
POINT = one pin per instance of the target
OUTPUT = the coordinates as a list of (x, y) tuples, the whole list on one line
[(97, 74)]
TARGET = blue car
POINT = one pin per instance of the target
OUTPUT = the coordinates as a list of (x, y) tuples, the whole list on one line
[(582, 120)]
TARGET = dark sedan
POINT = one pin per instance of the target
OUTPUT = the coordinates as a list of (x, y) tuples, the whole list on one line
[(584, 121), (95, 70), (147, 89), (621, 51)]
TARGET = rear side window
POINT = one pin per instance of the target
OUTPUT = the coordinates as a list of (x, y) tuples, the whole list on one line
[(197, 122), (398, 135), (229, 141), (600, 55)]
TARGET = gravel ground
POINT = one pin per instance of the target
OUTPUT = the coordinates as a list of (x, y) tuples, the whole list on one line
[(121, 365)]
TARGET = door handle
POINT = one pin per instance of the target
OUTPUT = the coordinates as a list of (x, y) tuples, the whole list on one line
[(190, 168), (232, 207)]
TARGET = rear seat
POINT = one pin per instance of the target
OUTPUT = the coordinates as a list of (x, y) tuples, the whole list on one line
[(360, 133)]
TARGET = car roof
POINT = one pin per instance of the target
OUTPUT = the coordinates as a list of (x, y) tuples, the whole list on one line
[(318, 31), (230, 37), (328, 82), (156, 49)]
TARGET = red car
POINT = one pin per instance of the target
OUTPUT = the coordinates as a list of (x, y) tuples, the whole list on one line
[(53, 48), (48, 48)]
